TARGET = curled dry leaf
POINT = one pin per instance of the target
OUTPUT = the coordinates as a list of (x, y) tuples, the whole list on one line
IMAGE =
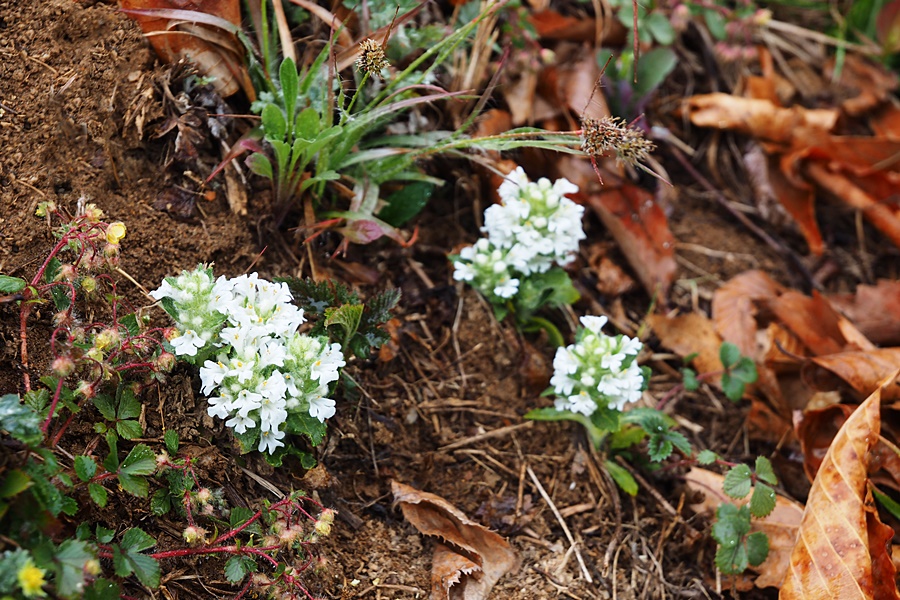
[(780, 526), (642, 231), (689, 334), (842, 549), (758, 118), (812, 320), (734, 308), (865, 370), (874, 309), (472, 558)]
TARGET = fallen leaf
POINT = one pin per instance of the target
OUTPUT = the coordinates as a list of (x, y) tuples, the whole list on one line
[(811, 319), (875, 310), (759, 118), (864, 370), (689, 334), (473, 558), (873, 82), (734, 309), (642, 231), (612, 280), (551, 25), (841, 545), (816, 431), (780, 526)]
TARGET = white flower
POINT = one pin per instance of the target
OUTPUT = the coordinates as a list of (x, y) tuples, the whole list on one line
[(463, 271), (513, 184), (321, 408), (325, 369), (507, 288), (212, 374), (240, 423), (592, 323), (167, 291), (219, 406), (269, 440), (188, 343), (579, 403)]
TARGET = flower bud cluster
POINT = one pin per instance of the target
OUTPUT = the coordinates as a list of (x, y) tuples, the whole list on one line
[(534, 227), (597, 370), (263, 369)]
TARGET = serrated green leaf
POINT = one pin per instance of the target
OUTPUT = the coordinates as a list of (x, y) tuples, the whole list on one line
[(106, 405), (737, 481), (732, 560), (11, 285), (98, 494), (104, 535), (129, 407), (171, 440), (140, 461), (136, 485), (121, 565), (68, 561), (85, 467), (707, 457), (729, 354), (764, 470), (20, 421), (83, 531), (659, 447), (622, 477), (160, 502), (103, 589), (15, 482), (689, 380), (137, 540), (235, 569), (129, 430), (47, 495), (347, 317), (762, 502), (37, 400), (131, 323), (307, 460), (304, 424), (69, 506), (757, 548)]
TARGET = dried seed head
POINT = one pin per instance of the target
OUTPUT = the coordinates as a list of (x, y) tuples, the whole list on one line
[(612, 134), (371, 58)]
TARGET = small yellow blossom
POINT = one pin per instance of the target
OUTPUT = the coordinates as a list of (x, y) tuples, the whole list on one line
[(31, 580), (115, 232)]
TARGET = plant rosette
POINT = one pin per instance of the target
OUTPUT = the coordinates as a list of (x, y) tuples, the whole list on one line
[(261, 376)]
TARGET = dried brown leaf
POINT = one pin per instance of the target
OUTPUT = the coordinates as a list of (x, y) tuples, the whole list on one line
[(875, 310), (864, 370), (835, 555), (780, 526), (472, 558), (811, 319), (642, 231), (734, 308), (689, 334)]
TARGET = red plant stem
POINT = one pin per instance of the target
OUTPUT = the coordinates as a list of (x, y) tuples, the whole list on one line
[(217, 550), (53, 404), (244, 590)]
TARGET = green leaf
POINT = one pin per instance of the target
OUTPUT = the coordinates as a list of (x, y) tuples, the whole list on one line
[(626, 437), (98, 494), (139, 462), (261, 165), (37, 400), (707, 457), (764, 470), (15, 483), (347, 316), (732, 560), (290, 86), (131, 323), (129, 429), (658, 447), (85, 467), (762, 502), (106, 405), (732, 387), (729, 354), (715, 22), (137, 540), (737, 481), (11, 285), (160, 502), (237, 567), (404, 204), (660, 28), (622, 477), (104, 535), (307, 125), (689, 379), (69, 560), (103, 589), (129, 407), (20, 421), (171, 440), (273, 123), (307, 425), (653, 68), (249, 440), (745, 370), (757, 548)]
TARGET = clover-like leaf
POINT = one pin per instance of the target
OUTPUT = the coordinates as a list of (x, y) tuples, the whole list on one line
[(737, 482)]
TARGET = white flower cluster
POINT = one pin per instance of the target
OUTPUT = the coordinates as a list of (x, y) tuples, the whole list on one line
[(264, 369), (534, 227), (597, 369)]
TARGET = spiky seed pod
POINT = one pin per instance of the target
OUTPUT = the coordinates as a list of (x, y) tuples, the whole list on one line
[(612, 134), (371, 58)]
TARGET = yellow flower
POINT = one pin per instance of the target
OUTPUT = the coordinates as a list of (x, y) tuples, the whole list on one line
[(115, 232), (31, 580)]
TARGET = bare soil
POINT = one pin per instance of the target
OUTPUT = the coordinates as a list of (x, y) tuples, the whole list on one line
[(79, 95)]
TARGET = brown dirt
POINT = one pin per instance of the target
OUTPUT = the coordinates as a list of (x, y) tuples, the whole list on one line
[(76, 78)]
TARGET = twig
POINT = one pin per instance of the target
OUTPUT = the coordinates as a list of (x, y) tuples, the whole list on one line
[(486, 436), (562, 523)]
